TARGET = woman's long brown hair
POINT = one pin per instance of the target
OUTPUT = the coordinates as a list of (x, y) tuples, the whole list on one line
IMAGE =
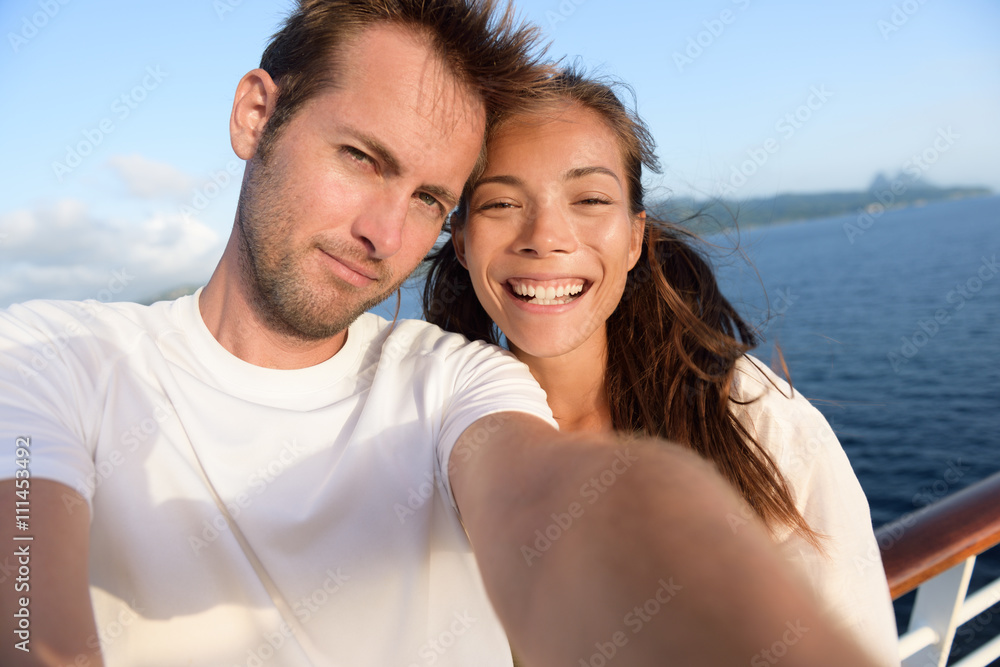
[(673, 341)]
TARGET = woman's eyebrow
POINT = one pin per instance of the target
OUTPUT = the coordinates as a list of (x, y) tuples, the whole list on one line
[(580, 172), (502, 179)]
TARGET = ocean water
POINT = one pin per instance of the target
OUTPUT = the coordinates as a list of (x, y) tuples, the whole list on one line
[(890, 324), (894, 334), (892, 328)]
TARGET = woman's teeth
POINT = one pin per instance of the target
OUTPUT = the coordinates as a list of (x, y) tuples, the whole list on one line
[(547, 295)]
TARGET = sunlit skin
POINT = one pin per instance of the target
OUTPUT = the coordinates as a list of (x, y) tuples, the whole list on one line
[(351, 196), (551, 210)]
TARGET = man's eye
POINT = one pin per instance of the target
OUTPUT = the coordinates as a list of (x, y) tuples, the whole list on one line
[(358, 155), (427, 199)]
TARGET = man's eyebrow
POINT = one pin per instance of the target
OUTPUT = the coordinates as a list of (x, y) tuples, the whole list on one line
[(580, 172), (391, 165), (376, 147), (447, 198)]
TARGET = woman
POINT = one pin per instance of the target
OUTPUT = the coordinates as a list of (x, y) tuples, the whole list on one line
[(623, 325)]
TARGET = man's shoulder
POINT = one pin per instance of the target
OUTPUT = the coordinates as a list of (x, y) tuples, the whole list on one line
[(71, 317), (416, 349), (87, 335), (75, 339), (423, 338)]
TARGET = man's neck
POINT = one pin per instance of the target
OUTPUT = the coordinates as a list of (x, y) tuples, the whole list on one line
[(228, 313)]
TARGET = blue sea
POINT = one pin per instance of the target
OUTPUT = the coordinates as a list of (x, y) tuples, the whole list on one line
[(894, 334), (890, 324)]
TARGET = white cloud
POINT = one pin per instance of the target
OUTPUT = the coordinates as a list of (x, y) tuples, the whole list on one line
[(148, 179), (64, 252)]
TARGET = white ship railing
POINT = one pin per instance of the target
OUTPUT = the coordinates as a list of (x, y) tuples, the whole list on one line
[(933, 551)]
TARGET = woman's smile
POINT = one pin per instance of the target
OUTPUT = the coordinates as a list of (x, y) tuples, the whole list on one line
[(549, 239)]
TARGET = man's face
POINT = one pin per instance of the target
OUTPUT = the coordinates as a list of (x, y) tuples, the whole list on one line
[(353, 192)]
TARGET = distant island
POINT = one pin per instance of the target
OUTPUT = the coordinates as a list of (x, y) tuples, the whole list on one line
[(172, 294), (707, 216)]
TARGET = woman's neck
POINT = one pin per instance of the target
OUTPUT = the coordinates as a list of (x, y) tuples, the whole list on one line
[(574, 385)]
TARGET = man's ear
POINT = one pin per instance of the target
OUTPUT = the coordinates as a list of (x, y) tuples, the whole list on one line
[(458, 241), (635, 243), (253, 105)]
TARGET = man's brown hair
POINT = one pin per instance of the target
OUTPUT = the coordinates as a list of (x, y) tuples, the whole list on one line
[(485, 47)]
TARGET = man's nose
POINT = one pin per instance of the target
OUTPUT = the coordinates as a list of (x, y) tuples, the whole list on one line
[(380, 225)]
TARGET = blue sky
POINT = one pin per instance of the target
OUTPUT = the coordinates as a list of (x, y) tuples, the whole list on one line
[(796, 97)]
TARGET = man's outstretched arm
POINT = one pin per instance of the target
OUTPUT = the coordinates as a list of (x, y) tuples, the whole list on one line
[(594, 548), (47, 576)]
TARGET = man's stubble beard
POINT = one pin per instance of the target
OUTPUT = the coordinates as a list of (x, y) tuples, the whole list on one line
[(280, 295)]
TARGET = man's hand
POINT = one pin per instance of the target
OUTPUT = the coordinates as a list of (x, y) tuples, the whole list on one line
[(47, 575), (592, 549)]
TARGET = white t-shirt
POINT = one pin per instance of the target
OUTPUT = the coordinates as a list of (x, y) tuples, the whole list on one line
[(848, 578), (334, 473)]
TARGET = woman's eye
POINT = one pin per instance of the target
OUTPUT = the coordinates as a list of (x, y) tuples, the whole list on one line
[(496, 205), (592, 201)]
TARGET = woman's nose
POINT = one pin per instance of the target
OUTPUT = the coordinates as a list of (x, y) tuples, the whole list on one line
[(546, 231)]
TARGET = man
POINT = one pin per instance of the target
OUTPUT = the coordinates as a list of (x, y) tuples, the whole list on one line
[(261, 474)]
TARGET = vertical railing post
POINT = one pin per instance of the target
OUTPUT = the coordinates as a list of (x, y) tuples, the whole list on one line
[(937, 607)]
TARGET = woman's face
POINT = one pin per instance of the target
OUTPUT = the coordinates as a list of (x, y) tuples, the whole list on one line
[(548, 240)]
